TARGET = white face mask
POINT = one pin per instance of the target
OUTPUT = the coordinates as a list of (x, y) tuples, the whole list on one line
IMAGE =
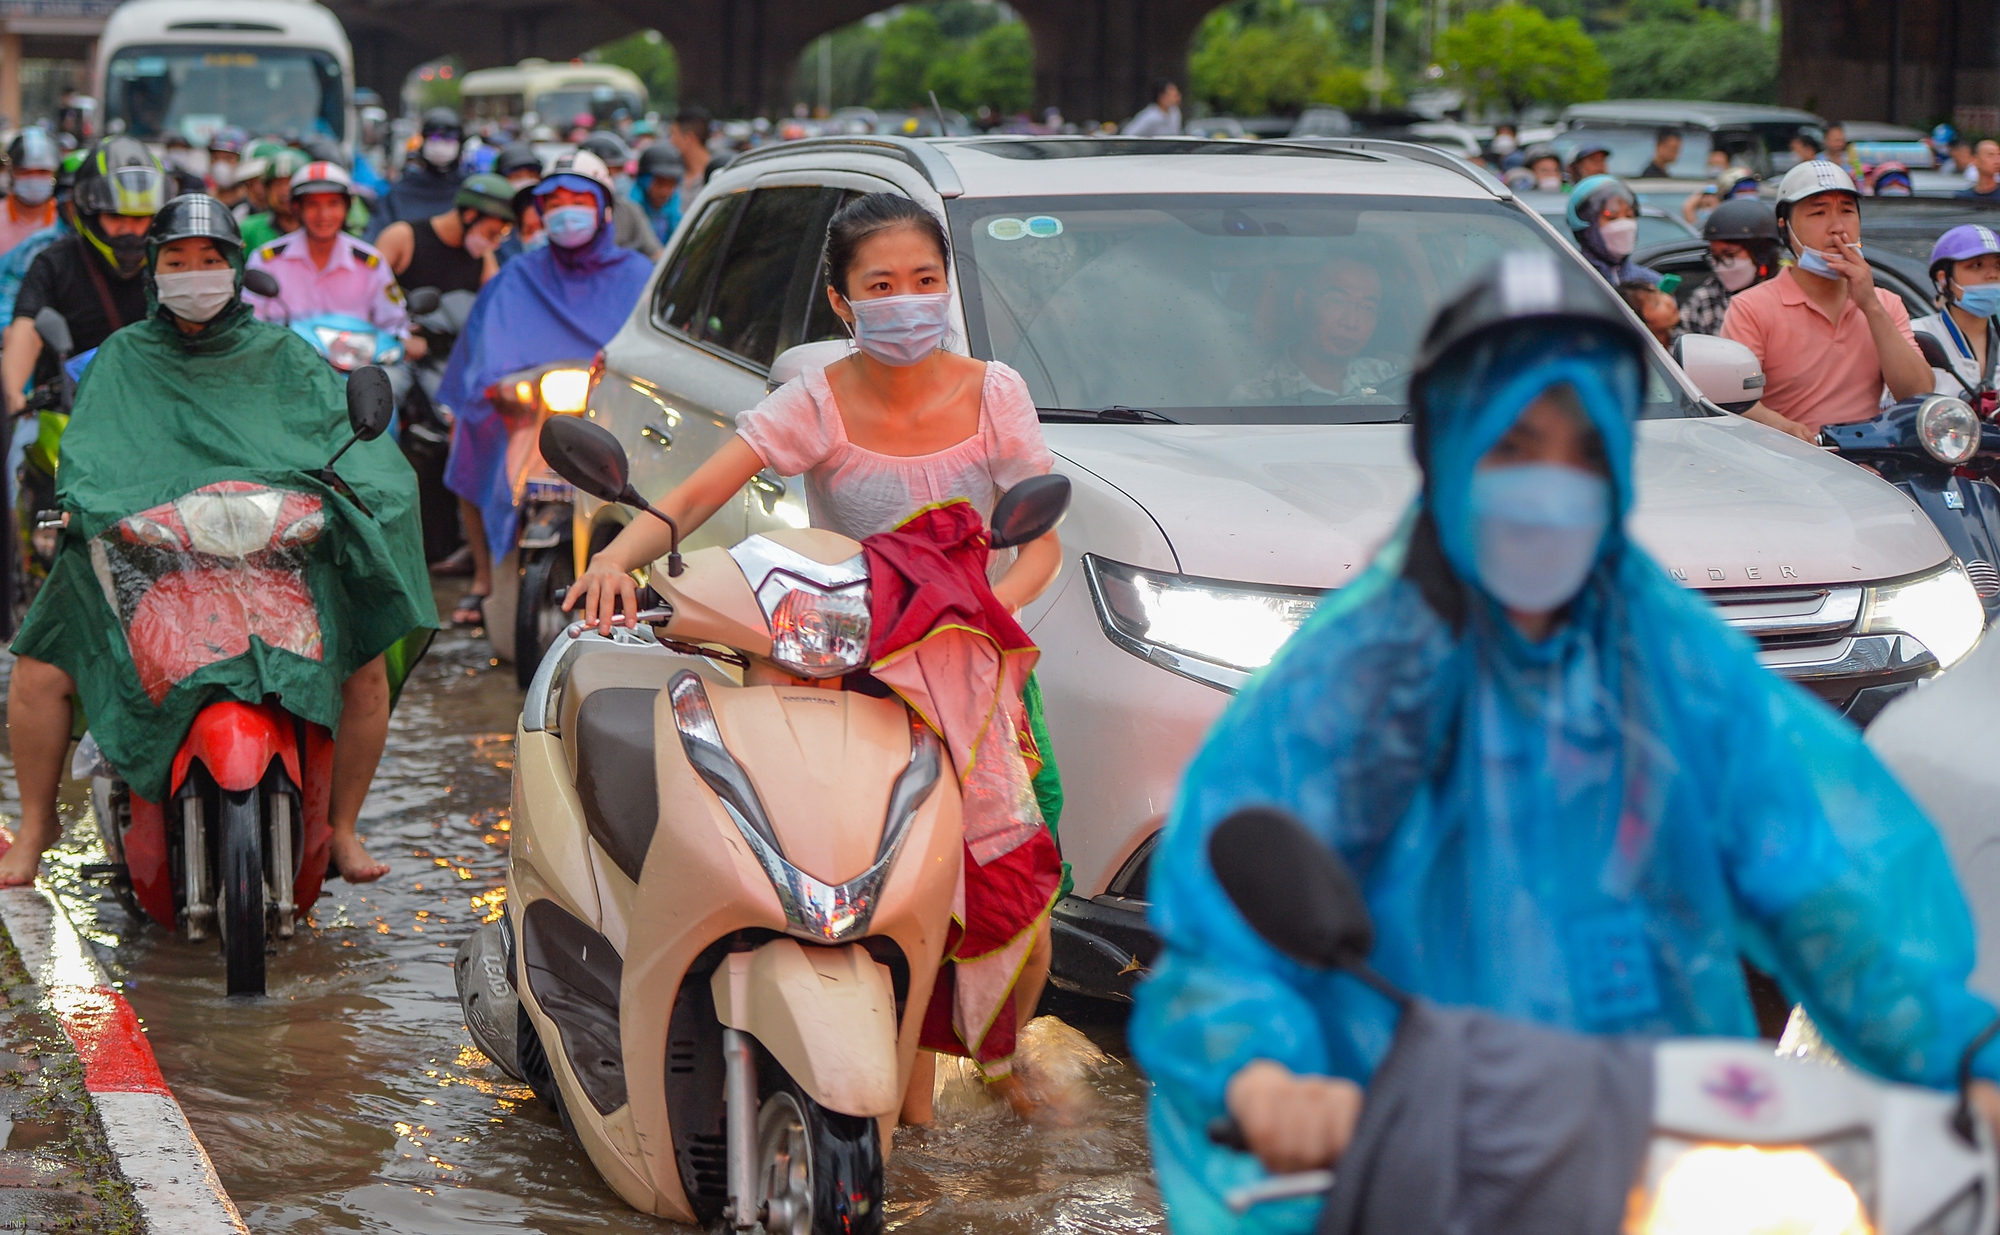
[(1620, 236), (901, 330), (222, 172), (1549, 184), (34, 190), (196, 295), (1736, 273), (1503, 143), (440, 151), (1538, 530)]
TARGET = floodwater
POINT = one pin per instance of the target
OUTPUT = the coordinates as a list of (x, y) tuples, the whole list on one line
[(351, 1098)]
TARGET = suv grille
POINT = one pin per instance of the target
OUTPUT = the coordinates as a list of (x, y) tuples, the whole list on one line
[(1812, 636)]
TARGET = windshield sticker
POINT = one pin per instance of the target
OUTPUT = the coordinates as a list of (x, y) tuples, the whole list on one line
[(1006, 229), (1043, 226)]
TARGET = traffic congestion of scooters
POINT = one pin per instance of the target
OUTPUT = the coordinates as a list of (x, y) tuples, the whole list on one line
[(1467, 646)]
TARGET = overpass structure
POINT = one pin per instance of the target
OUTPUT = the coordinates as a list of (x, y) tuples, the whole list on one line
[(1907, 60)]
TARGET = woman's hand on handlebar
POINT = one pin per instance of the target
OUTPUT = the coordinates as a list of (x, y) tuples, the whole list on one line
[(1293, 1122), (606, 590)]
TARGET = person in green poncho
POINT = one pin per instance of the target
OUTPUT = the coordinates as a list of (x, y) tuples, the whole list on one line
[(201, 402)]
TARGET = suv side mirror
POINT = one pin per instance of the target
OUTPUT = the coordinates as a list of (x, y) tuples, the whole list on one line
[(55, 332), (1295, 892), (371, 401), (795, 360), (1029, 511), (1727, 373)]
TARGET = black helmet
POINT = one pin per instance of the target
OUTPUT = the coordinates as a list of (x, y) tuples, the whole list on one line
[(661, 159), (194, 216), (609, 147), (1522, 288), (1742, 220), (120, 176), (442, 120), (515, 157)]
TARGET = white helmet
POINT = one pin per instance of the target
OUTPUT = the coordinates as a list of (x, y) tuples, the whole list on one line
[(1812, 178), (322, 177)]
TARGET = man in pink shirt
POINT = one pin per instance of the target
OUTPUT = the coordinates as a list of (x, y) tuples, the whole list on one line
[(1829, 339), (322, 269)]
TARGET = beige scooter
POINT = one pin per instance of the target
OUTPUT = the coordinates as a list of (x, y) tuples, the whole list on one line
[(730, 879)]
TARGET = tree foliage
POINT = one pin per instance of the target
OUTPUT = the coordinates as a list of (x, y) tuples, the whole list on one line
[(1513, 56), (1271, 58), (1676, 49), (965, 50), (653, 59)]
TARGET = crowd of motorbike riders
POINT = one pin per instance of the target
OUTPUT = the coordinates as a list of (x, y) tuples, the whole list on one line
[(1490, 734)]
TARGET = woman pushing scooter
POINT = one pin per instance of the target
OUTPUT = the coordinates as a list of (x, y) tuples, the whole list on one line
[(898, 427)]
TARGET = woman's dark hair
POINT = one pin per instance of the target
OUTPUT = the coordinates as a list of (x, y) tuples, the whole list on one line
[(864, 217)]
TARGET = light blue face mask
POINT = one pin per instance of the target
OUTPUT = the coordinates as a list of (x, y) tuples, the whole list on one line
[(570, 226), (1812, 261), (1537, 530), (1981, 299)]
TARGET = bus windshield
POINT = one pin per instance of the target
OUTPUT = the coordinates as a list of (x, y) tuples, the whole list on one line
[(195, 90)]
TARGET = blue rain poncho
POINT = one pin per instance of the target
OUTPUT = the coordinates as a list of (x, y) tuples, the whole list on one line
[(1587, 832)]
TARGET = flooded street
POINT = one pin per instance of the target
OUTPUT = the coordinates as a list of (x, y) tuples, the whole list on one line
[(351, 1098)]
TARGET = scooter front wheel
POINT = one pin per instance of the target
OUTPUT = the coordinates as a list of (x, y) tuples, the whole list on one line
[(818, 1172), (240, 863), (546, 575)]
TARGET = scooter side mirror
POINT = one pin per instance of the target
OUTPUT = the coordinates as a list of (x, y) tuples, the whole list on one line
[(1294, 891), (261, 282), (1727, 373), (371, 401), (1933, 351), (587, 456), (54, 331), (1029, 511), (423, 300)]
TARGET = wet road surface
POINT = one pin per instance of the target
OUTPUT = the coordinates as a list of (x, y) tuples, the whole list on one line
[(351, 1098)]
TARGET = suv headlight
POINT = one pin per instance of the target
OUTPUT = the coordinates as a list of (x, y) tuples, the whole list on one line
[(1211, 630), (1940, 610)]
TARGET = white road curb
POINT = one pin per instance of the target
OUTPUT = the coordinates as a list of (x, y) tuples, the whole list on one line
[(171, 1177)]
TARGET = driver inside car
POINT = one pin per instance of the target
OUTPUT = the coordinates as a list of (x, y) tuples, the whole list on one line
[(1569, 792), (207, 394), (1336, 308)]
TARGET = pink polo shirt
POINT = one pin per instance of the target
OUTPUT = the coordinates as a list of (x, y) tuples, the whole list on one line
[(355, 282), (1816, 371)]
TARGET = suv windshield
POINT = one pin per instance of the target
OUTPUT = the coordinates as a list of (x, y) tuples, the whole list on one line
[(197, 90), (1236, 309)]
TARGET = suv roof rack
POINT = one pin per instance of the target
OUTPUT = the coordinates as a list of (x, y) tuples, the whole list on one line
[(1414, 151), (923, 156)]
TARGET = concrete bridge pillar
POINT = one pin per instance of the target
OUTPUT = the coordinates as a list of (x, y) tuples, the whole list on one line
[(1907, 61), (1097, 59)]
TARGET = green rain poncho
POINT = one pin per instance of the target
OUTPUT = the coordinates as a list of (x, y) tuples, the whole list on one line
[(204, 559)]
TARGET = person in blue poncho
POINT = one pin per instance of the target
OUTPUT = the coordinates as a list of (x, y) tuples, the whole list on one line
[(1570, 793), (562, 301)]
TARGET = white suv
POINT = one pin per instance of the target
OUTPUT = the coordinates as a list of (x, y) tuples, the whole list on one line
[(1167, 301)]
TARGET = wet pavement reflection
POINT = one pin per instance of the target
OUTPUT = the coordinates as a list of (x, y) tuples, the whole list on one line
[(351, 1098)]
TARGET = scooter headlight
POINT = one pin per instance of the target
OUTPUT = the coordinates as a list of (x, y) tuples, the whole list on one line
[(1940, 610), (820, 634), (1948, 428), (347, 350), (1709, 1189), (565, 391)]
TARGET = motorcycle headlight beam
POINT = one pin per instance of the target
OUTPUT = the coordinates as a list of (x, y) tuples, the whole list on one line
[(1940, 610), (1214, 631)]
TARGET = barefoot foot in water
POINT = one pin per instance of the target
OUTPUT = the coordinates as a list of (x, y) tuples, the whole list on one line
[(349, 858), (23, 857), (1036, 1108)]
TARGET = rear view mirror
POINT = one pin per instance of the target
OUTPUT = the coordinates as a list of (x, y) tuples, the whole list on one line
[(1029, 511), (587, 456), (55, 332), (795, 360), (1726, 373), (1934, 354), (370, 402), (261, 282), (1294, 891), (423, 300)]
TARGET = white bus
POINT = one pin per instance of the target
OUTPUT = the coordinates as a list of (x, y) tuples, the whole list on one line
[(555, 93), (265, 66)]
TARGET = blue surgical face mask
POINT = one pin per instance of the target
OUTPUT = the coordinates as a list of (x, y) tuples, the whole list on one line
[(901, 330), (570, 226), (1981, 299), (1812, 261), (1537, 531)]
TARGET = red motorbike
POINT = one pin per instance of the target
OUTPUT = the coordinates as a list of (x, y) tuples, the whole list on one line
[(193, 581)]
